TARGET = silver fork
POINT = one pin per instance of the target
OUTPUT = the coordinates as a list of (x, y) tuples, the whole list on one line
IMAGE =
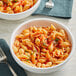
[(3, 59), (50, 4)]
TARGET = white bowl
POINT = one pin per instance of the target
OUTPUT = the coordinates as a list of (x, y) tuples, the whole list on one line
[(38, 23), (20, 15)]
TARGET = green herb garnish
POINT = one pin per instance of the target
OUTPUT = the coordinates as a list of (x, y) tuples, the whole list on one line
[(28, 55), (9, 0), (42, 47), (27, 60), (40, 35), (32, 53), (35, 50), (56, 39), (57, 48), (15, 0), (52, 38), (46, 39), (44, 44)]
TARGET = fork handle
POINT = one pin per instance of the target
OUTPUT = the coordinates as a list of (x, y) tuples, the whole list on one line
[(50, 1), (11, 69)]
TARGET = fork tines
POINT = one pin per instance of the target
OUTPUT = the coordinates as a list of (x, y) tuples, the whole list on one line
[(2, 55)]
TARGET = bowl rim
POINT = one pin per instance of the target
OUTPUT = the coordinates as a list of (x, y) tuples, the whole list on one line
[(38, 2), (47, 19)]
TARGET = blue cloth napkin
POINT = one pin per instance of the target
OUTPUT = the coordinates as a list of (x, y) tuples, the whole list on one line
[(19, 71), (4, 70), (62, 9)]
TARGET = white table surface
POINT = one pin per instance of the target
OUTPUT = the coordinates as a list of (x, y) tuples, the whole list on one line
[(7, 27)]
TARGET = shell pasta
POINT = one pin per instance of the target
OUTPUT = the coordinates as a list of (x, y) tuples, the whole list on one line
[(42, 47), (16, 6)]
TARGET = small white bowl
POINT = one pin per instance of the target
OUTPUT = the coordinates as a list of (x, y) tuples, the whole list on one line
[(21, 15), (39, 22)]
